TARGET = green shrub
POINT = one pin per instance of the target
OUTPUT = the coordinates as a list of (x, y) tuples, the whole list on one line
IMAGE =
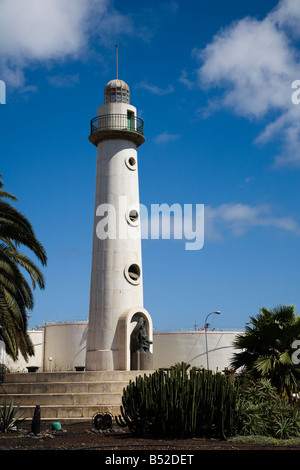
[(264, 413), (8, 417), (181, 404)]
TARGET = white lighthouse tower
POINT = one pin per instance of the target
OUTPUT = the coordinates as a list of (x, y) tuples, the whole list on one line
[(116, 295)]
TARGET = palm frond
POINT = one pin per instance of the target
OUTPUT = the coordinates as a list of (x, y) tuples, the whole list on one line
[(16, 296)]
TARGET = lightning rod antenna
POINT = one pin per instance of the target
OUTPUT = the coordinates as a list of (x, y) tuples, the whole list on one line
[(117, 60)]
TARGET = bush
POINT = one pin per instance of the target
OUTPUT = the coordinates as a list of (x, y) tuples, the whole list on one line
[(181, 404), (8, 417), (264, 413)]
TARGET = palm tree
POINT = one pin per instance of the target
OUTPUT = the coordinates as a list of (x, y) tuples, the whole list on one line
[(16, 295), (266, 348)]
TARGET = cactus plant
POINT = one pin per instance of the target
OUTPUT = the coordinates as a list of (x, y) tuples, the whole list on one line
[(180, 403)]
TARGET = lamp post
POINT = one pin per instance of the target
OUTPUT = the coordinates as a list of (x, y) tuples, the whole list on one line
[(206, 325)]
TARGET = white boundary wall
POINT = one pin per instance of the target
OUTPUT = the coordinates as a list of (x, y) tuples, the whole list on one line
[(190, 347), (37, 337), (65, 344)]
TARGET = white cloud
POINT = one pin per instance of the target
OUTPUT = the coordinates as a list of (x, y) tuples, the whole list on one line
[(287, 128), (165, 137), (31, 31), (253, 60), (218, 224), (186, 81), (287, 15), (155, 89), (254, 63), (237, 219), (35, 31)]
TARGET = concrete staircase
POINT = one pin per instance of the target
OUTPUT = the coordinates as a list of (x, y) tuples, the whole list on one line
[(66, 396)]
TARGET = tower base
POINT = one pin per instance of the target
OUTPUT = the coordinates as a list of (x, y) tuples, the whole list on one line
[(100, 360)]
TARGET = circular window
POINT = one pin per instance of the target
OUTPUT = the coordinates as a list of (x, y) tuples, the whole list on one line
[(131, 163), (133, 274), (132, 217)]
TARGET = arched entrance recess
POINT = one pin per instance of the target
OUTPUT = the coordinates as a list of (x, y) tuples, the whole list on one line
[(127, 322)]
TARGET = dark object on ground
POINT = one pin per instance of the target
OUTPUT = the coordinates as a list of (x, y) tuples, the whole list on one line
[(103, 421), (36, 421)]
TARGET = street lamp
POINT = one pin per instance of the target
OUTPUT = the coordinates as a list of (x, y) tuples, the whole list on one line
[(206, 325)]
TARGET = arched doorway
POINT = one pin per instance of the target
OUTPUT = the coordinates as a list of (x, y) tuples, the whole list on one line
[(128, 322)]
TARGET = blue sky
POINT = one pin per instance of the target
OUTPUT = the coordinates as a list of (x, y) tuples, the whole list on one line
[(212, 81)]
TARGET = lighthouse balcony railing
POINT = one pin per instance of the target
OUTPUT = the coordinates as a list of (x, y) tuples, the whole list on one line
[(124, 122)]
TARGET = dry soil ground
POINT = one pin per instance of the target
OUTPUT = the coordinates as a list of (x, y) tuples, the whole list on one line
[(118, 442)]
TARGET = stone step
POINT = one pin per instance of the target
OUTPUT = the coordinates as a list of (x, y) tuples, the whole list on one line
[(84, 376), (68, 413), (64, 399), (62, 387), (65, 396)]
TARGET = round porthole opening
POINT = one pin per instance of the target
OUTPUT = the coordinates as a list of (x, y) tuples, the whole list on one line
[(132, 217), (133, 273), (131, 163)]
